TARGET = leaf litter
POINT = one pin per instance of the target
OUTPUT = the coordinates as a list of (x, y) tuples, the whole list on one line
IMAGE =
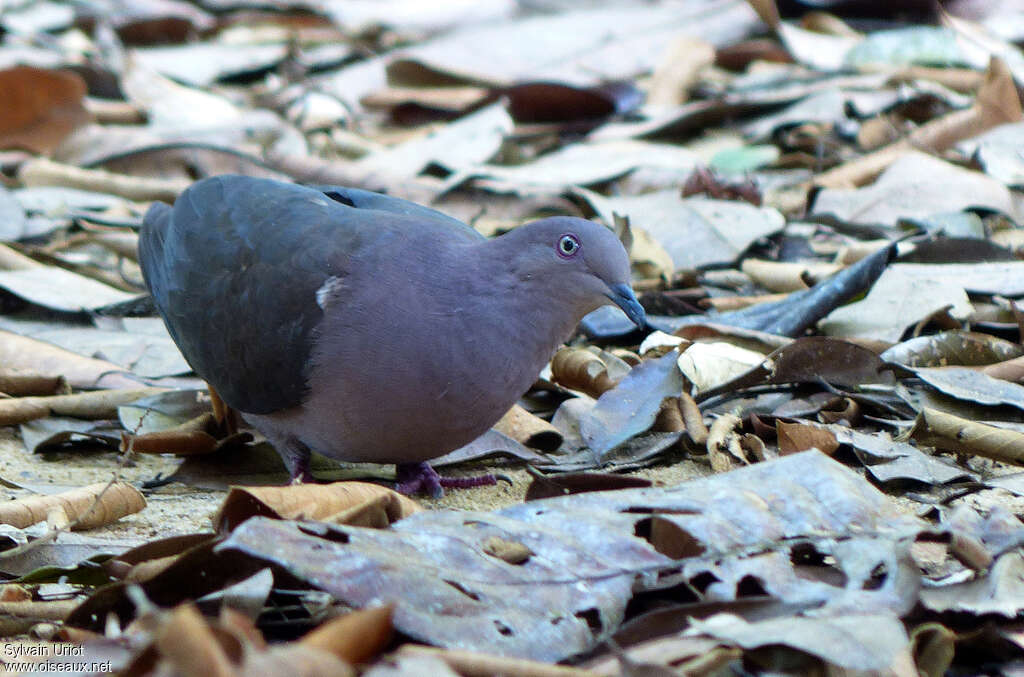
[(825, 233)]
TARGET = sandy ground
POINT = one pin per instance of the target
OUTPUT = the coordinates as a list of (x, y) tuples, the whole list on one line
[(179, 509), (175, 508)]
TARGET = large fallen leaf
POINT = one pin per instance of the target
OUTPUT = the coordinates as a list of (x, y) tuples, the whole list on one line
[(969, 384), (888, 459), (905, 294), (466, 142), (30, 354), (874, 642), (580, 47), (1001, 592), (694, 231), (593, 551), (60, 289), (915, 187), (201, 64), (311, 502), (999, 152), (584, 164), (952, 348), (146, 353)]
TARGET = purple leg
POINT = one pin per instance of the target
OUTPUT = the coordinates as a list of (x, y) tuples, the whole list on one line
[(413, 478), (295, 455)]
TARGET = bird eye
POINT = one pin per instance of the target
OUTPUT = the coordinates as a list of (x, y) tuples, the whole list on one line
[(568, 245)]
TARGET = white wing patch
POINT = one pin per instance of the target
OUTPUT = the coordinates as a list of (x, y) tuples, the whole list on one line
[(332, 285)]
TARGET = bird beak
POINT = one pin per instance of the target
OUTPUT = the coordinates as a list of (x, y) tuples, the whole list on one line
[(622, 296)]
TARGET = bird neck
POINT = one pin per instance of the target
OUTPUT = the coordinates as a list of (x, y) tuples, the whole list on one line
[(541, 314)]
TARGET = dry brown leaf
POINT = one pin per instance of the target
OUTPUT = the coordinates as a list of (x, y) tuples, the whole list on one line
[(438, 98), (82, 508), (1008, 370), (582, 370), (308, 501), (28, 354), (952, 433), (530, 430), (90, 405), (193, 437), (355, 637), (40, 107), (19, 383), (177, 442), (670, 418), (726, 303), (781, 276), (693, 418), (186, 641), (678, 71), (796, 437)]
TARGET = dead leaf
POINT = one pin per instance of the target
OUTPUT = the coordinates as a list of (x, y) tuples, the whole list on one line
[(92, 405), (528, 429), (41, 107), (86, 508), (795, 437), (307, 501), (952, 433), (355, 637)]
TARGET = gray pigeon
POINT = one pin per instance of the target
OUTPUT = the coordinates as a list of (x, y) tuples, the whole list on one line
[(366, 327)]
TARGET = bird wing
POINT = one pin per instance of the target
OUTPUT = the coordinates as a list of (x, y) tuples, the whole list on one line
[(235, 266)]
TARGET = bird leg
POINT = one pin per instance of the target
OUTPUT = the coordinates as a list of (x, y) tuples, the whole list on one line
[(411, 478), (295, 455)]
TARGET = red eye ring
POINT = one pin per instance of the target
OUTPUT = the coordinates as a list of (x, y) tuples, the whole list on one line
[(568, 245)]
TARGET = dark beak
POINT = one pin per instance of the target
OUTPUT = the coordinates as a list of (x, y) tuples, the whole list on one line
[(622, 296)]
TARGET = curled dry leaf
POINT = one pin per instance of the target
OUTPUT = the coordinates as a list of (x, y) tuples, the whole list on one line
[(563, 484), (724, 443), (580, 369), (781, 276), (83, 508), (193, 437), (91, 405), (530, 430), (188, 646), (177, 442), (693, 419), (952, 433), (19, 383), (329, 502)]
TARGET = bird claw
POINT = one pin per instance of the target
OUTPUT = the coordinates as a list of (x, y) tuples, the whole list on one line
[(412, 478)]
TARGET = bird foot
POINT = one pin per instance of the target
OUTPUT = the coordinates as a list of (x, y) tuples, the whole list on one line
[(412, 478)]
